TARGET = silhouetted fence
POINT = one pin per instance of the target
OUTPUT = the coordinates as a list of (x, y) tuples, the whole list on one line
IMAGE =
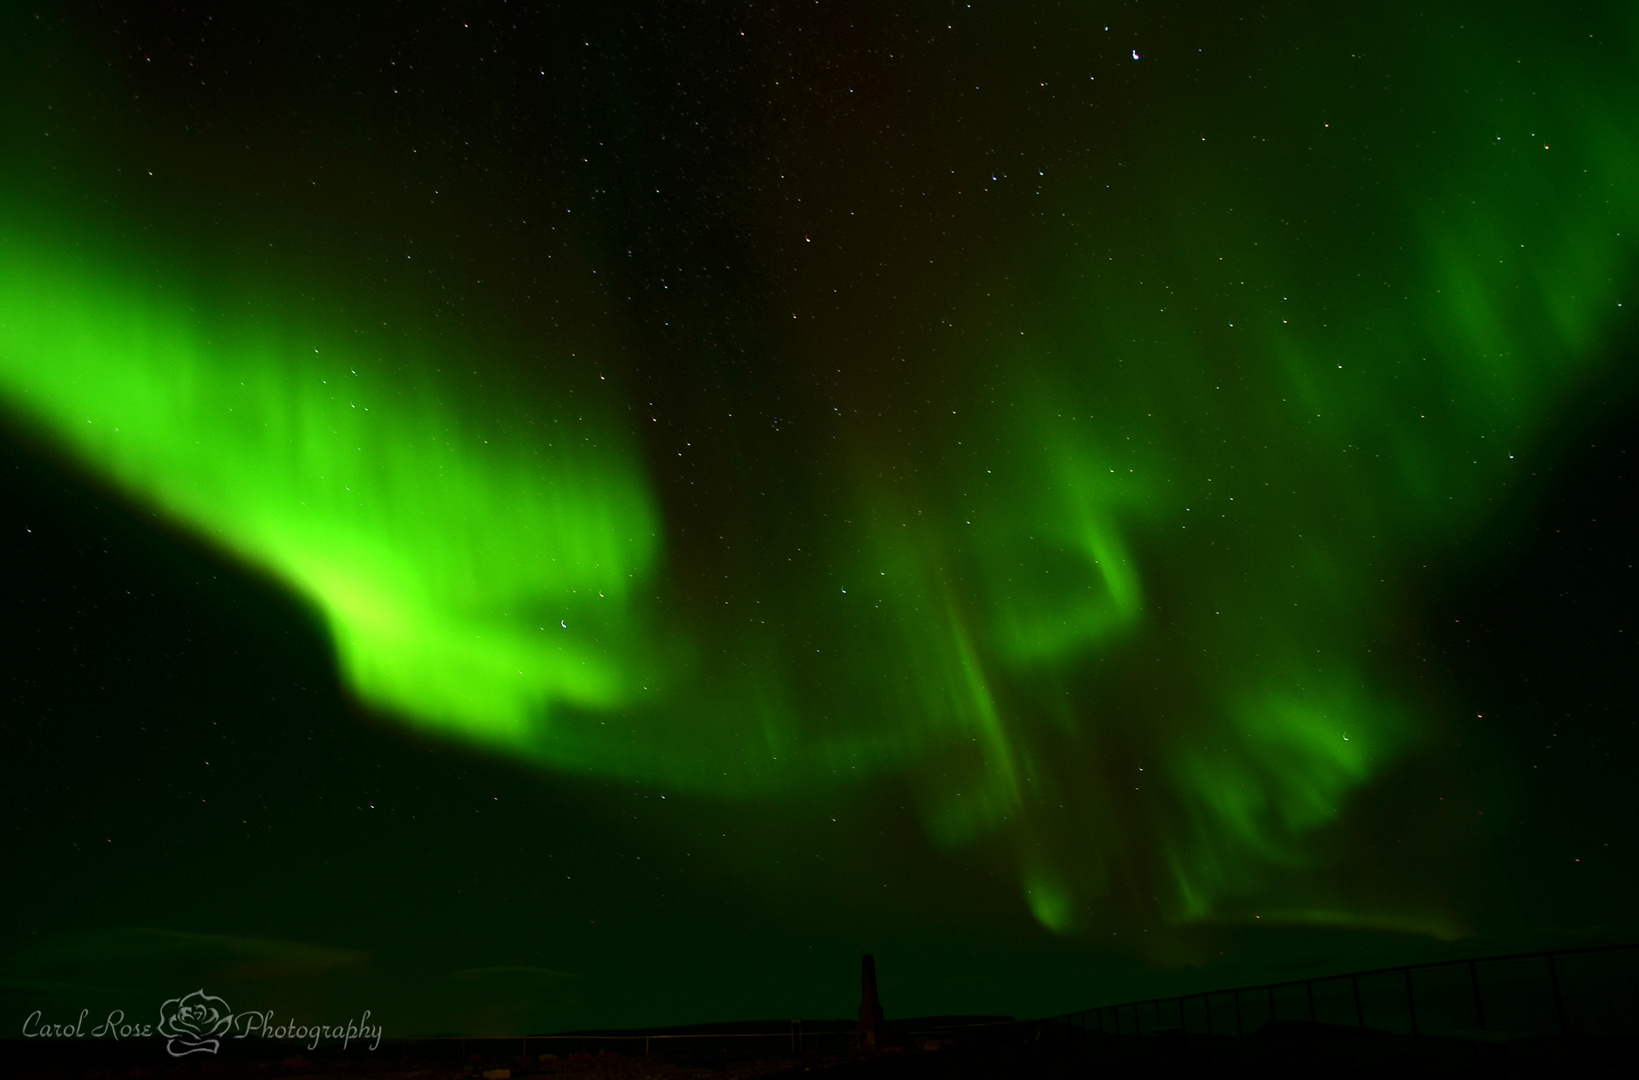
[(1562, 992), (1592, 991)]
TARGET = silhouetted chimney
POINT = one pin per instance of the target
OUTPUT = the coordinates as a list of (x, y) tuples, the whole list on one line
[(870, 1009)]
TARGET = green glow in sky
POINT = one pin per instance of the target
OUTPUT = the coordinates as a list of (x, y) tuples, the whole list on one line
[(447, 550), (1127, 617)]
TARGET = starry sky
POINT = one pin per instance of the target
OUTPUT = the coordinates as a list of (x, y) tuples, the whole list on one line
[(524, 516)]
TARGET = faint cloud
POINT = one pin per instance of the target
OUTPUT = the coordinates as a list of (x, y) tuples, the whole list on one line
[(514, 971), (112, 958)]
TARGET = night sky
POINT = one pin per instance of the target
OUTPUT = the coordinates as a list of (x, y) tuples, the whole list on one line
[(521, 517)]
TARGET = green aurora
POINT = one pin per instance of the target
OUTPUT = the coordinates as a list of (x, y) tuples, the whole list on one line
[(1114, 593)]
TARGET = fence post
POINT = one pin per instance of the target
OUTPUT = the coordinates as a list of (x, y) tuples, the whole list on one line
[(1309, 987), (1206, 999), (1559, 1004), (1411, 1002), (1359, 1015), (1183, 1025), (1474, 984), (1270, 989)]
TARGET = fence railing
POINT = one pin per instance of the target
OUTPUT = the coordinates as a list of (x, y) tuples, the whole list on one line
[(1558, 992), (1592, 990)]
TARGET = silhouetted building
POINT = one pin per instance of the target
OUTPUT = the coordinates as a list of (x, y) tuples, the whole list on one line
[(870, 1009)]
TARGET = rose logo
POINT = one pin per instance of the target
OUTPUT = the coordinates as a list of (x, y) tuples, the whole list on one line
[(192, 1023)]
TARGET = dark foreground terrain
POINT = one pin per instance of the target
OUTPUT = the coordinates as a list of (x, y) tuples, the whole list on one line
[(1023, 1050)]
